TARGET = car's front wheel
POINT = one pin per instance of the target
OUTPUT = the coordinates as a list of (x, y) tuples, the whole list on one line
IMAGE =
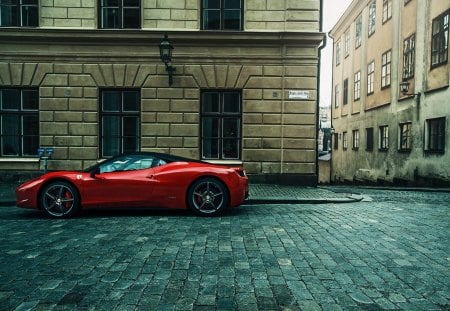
[(60, 199), (208, 197)]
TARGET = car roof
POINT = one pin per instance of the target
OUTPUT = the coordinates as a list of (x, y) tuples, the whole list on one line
[(163, 156)]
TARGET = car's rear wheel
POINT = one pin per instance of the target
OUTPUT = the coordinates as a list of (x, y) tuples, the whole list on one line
[(60, 199), (208, 197)]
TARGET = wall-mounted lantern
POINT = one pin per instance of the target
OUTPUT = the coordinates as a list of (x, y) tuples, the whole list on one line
[(165, 52)]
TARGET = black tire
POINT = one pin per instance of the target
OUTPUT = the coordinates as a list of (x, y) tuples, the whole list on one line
[(208, 197), (60, 199)]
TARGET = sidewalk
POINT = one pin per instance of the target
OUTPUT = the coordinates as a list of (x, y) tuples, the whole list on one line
[(259, 194)]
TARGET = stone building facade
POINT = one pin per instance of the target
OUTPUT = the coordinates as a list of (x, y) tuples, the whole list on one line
[(85, 77), (383, 134)]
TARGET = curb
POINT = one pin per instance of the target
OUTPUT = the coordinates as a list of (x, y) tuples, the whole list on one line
[(297, 200)]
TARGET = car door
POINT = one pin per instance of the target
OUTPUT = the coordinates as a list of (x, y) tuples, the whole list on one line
[(122, 182)]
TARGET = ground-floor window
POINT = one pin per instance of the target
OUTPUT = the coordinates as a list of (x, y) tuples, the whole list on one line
[(344, 141), (436, 135), (19, 122), (119, 121), (221, 116), (405, 136), (384, 137), (355, 139), (369, 139)]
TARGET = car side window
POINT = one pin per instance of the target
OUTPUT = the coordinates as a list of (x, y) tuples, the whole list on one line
[(130, 163)]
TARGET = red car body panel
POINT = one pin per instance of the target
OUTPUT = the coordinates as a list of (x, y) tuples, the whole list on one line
[(160, 186)]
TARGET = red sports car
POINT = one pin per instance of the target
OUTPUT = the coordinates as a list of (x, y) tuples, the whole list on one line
[(141, 179)]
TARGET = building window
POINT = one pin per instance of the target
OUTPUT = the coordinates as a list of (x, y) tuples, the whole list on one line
[(405, 136), (221, 125), (358, 32), (409, 55), (386, 69), (357, 86), (370, 77), (439, 41), (347, 43), (355, 139), (119, 14), (384, 137), (345, 91), (335, 141), (369, 139), (19, 122), (436, 135), (344, 140), (338, 53), (222, 14), (372, 17), (336, 96), (19, 13), (119, 121), (387, 10)]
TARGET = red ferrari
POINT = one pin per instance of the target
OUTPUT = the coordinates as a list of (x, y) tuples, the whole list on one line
[(141, 179)]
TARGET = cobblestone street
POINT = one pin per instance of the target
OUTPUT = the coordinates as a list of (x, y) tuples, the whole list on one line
[(389, 253)]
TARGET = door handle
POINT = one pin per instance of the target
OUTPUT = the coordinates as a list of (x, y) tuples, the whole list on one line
[(150, 176)]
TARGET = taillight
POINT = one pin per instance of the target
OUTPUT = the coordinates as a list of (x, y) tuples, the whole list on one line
[(241, 172)]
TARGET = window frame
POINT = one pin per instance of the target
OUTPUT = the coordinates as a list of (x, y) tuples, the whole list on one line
[(20, 113), (405, 137), (387, 11), (435, 140), (221, 115), (371, 78), (372, 18), (338, 53), (222, 10), (121, 114), (358, 31), (383, 138), (344, 140), (440, 38), (345, 92), (357, 85), (121, 18), (355, 139), (347, 43), (409, 57), (386, 68), (369, 139), (19, 9), (335, 141), (336, 96)]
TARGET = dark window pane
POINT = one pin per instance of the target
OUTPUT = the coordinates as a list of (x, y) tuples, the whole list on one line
[(30, 145), (231, 102), (131, 3), (230, 149), (30, 100), (210, 127), (232, 4), (211, 4), (110, 18), (10, 135), (131, 101), (110, 3), (232, 19), (210, 102), (8, 15), (130, 126), (210, 148), (131, 18), (231, 127), (10, 99), (30, 125), (211, 19), (130, 144), (110, 132), (30, 16), (111, 101)]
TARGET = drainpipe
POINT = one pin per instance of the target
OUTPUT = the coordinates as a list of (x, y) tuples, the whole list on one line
[(322, 46)]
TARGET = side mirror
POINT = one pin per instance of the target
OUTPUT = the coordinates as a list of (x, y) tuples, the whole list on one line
[(95, 172)]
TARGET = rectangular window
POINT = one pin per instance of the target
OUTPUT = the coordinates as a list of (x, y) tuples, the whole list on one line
[(369, 139), (386, 69), (221, 116), (409, 55), (119, 14), (222, 14), (345, 91), (336, 96), (439, 40), (384, 137), (372, 17), (19, 122), (347, 43), (335, 141), (405, 136), (370, 77), (387, 10), (119, 121), (338, 53), (344, 140), (19, 13), (355, 139), (436, 135), (357, 86), (358, 32)]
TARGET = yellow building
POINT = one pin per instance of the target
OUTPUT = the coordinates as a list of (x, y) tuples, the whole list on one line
[(384, 133), (85, 77)]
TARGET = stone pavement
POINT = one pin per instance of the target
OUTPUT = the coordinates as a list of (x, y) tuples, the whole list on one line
[(259, 194), (391, 253)]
